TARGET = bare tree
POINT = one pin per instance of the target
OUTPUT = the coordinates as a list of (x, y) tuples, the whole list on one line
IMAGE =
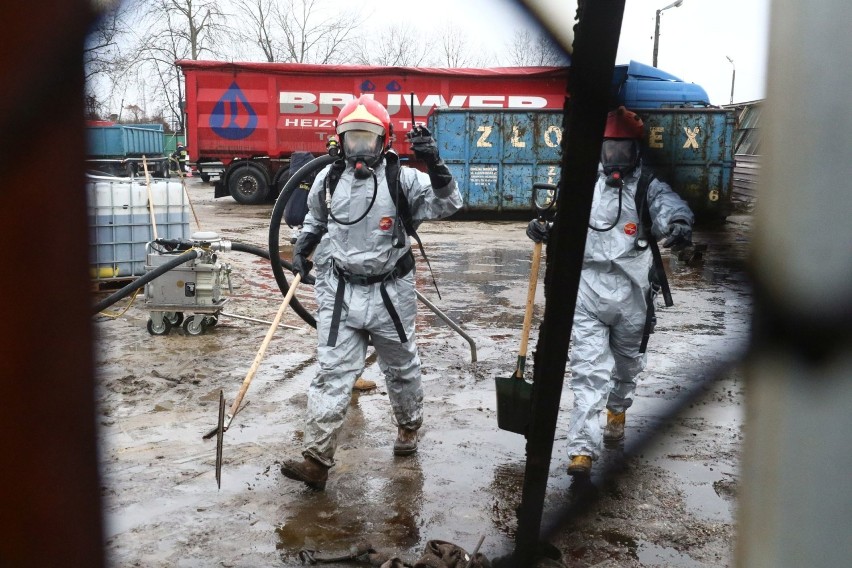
[(180, 29), (301, 31), (260, 23), (316, 31), (455, 50), (106, 56), (528, 49), (396, 45)]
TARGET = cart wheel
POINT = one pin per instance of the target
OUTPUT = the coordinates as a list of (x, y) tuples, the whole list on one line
[(163, 329), (209, 321), (193, 325), (175, 318)]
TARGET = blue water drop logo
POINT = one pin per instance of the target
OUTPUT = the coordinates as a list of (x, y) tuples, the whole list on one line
[(394, 87), (233, 118), (368, 86)]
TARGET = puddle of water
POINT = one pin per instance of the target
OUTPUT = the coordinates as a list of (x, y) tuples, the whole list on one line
[(698, 491), (650, 554)]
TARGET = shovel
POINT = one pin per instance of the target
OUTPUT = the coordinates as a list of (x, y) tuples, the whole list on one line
[(221, 427), (514, 394)]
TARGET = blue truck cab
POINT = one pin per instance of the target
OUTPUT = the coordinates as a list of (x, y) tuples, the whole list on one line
[(639, 86)]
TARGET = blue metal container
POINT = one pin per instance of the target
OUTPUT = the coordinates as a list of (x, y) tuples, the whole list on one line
[(125, 140), (496, 157), (693, 150)]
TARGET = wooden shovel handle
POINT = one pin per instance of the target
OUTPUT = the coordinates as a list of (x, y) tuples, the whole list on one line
[(257, 358), (525, 334), (150, 197)]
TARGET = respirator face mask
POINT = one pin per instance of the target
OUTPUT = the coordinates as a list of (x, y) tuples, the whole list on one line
[(619, 158), (363, 150)]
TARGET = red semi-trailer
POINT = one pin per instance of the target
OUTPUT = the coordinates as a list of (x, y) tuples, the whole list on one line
[(248, 119)]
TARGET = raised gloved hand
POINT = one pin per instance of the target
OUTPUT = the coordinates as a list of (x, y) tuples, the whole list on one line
[(538, 231), (678, 236), (423, 145)]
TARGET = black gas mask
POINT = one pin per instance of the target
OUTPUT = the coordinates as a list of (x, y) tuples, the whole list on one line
[(363, 151), (619, 157)]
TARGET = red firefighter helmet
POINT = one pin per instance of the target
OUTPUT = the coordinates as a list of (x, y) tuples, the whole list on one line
[(622, 123), (364, 113)]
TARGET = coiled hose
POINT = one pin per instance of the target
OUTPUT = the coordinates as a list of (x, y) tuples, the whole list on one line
[(275, 222), (294, 303)]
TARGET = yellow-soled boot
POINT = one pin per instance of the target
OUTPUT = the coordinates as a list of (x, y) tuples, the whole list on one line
[(614, 430), (580, 465), (362, 384)]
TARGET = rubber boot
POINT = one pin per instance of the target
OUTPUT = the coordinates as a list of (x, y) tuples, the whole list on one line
[(406, 442), (362, 384), (580, 465), (614, 430), (310, 471)]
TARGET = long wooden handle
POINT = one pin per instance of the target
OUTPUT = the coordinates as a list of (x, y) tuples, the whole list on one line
[(525, 334), (150, 197), (257, 358)]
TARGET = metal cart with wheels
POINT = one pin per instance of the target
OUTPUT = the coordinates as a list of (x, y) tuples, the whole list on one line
[(189, 295)]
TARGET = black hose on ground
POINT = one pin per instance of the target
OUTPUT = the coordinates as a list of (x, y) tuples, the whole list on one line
[(294, 303), (278, 213), (141, 281)]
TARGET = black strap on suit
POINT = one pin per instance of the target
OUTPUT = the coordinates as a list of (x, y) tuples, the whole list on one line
[(403, 266)]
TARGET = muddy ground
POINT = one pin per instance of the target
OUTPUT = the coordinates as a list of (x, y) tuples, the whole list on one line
[(157, 396)]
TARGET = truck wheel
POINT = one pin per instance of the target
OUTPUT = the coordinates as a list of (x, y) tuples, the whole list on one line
[(247, 184), (281, 179), (204, 177)]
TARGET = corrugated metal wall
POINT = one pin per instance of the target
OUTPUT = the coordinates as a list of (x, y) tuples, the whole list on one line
[(747, 148)]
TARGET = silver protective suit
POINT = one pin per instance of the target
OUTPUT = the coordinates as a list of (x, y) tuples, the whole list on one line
[(365, 249), (609, 318)]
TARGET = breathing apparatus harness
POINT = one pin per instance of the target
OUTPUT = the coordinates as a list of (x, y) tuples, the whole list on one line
[(403, 225), (362, 171)]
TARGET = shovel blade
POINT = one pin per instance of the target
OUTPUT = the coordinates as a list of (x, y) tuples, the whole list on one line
[(514, 404)]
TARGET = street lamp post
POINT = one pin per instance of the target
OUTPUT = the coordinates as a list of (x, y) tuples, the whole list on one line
[(657, 28), (733, 77)]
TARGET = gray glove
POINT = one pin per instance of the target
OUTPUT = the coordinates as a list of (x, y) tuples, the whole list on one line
[(538, 231), (423, 145), (679, 235)]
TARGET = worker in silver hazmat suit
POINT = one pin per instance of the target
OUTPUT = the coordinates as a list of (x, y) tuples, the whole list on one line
[(614, 311), (355, 228)]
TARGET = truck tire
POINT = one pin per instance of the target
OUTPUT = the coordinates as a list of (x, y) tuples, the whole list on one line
[(281, 178), (248, 184)]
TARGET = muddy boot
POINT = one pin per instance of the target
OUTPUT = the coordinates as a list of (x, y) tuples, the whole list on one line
[(614, 430), (406, 442), (580, 465), (362, 384), (310, 471)]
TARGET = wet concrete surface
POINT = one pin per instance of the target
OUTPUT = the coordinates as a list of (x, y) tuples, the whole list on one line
[(674, 506)]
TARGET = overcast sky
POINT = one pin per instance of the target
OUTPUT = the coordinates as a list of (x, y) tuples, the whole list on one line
[(695, 38)]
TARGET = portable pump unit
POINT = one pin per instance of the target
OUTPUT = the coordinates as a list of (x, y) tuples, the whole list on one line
[(194, 286)]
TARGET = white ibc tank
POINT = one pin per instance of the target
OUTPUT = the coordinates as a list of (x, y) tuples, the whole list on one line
[(120, 222)]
